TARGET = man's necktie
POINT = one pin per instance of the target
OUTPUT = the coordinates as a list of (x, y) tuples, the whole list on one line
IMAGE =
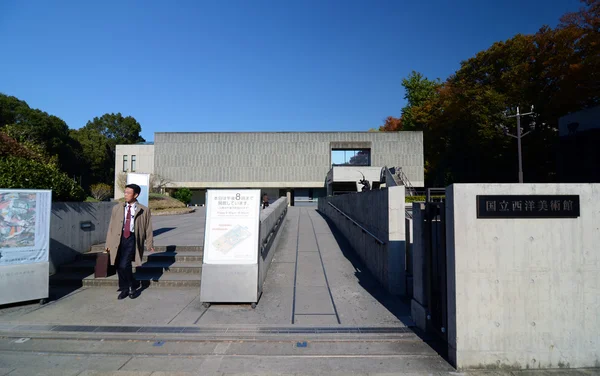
[(126, 230)]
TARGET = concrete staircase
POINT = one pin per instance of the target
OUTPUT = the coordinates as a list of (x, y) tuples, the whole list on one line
[(169, 266)]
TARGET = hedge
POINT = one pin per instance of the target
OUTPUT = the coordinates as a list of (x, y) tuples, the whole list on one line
[(421, 198), (20, 173)]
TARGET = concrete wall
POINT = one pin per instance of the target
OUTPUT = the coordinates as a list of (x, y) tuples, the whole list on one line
[(271, 221), (275, 159), (523, 293), (381, 212), (419, 261), (418, 304), (67, 238), (144, 161)]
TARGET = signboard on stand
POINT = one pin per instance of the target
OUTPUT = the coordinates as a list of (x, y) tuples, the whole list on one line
[(232, 224), (143, 180), (230, 270), (24, 244)]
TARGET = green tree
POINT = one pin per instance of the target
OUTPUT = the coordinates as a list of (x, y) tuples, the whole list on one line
[(183, 194), (418, 90), (98, 139), (40, 132), (117, 129)]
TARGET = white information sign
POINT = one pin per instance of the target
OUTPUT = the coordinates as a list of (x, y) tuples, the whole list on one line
[(143, 180), (232, 226), (24, 244), (24, 226)]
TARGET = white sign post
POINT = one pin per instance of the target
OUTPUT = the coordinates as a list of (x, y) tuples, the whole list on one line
[(231, 244), (143, 180), (24, 244)]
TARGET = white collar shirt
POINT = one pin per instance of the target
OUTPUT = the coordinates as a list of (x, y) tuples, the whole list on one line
[(133, 210)]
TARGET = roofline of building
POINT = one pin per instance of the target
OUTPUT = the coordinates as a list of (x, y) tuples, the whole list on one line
[(290, 132)]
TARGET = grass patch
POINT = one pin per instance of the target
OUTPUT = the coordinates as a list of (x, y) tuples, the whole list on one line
[(420, 198), (173, 211), (158, 202)]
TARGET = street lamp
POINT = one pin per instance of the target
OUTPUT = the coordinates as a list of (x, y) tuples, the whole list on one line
[(519, 134)]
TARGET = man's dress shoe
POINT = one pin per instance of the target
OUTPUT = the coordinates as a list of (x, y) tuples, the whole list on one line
[(123, 294), (133, 293)]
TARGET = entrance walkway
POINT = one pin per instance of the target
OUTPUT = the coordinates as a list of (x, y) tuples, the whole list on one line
[(320, 313), (314, 280)]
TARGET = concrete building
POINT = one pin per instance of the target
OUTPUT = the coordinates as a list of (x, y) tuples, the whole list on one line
[(301, 165), (137, 158)]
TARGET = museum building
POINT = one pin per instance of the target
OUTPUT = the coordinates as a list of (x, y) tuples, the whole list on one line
[(301, 165)]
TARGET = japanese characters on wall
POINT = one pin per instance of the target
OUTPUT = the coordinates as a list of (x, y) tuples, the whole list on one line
[(528, 206), (232, 227), (24, 226)]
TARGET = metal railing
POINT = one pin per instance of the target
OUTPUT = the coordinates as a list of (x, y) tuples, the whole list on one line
[(357, 224), (410, 190)]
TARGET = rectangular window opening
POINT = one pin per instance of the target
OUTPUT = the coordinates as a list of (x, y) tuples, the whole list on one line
[(133, 160), (351, 157), (124, 163)]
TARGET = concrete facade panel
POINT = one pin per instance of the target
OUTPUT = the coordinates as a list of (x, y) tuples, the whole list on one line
[(523, 293), (279, 157)]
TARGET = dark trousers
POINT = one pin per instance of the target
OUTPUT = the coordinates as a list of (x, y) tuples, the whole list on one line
[(125, 255)]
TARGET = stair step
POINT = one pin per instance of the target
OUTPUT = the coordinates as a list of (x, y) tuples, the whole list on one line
[(149, 279), (158, 248), (183, 256), (168, 267), (151, 266), (159, 279), (87, 265), (179, 255)]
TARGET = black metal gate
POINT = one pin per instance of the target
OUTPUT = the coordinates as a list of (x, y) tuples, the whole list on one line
[(434, 227)]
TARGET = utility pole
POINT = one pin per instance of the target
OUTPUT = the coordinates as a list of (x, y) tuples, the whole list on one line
[(519, 136)]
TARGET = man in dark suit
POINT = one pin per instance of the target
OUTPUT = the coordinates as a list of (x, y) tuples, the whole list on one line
[(130, 227)]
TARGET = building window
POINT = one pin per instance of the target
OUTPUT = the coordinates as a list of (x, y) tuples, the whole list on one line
[(124, 163), (133, 163), (351, 157)]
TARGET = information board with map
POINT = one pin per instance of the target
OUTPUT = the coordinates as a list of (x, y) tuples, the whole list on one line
[(24, 244), (232, 226), (24, 226)]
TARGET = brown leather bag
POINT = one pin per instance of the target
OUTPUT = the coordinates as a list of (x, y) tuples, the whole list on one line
[(102, 265)]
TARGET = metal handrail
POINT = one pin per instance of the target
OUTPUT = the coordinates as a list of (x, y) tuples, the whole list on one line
[(357, 224)]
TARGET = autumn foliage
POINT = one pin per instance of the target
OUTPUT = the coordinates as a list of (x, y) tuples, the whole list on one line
[(556, 69)]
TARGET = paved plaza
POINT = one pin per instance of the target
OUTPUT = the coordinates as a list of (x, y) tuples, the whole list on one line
[(320, 313)]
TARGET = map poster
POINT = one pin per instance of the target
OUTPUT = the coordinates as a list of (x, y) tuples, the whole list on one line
[(24, 226), (232, 226), (143, 180)]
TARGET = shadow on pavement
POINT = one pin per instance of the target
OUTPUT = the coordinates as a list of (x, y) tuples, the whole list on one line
[(162, 230), (398, 306)]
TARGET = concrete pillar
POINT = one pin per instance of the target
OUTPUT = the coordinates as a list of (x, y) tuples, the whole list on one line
[(396, 241), (288, 194), (419, 302)]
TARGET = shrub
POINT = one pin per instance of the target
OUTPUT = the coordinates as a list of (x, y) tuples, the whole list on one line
[(183, 194), (420, 198), (21, 173), (100, 191)]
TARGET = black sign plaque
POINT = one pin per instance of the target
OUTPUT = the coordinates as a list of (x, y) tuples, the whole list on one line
[(528, 206)]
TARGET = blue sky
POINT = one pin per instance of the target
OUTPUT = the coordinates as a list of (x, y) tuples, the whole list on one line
[(241, 65)]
